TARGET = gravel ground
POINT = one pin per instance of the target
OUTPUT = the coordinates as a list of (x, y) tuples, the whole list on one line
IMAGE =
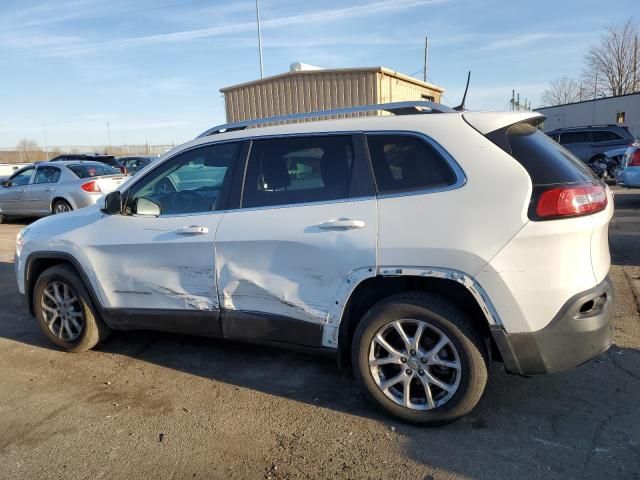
[(150, 405)]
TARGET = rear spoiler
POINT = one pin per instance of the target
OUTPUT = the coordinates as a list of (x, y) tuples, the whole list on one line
[(487, 122)]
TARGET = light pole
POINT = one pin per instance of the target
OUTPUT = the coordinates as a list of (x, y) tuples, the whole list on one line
[(259, 38), (108, 137)]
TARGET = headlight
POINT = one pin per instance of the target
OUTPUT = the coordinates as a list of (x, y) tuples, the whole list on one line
[(20, 240)]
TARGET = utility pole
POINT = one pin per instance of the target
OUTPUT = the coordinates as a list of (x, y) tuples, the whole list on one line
[(595, 86), (259, 38), (426, 57)]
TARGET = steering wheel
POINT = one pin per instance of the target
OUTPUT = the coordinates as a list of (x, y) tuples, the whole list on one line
[(185, 201)]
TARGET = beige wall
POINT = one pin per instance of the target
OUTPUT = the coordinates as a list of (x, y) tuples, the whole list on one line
[(311, 91)]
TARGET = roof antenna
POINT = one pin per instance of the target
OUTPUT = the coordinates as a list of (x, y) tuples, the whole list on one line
[(460, 107)]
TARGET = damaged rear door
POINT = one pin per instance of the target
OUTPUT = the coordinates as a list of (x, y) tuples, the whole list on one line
[(155, 262), (307, 220)]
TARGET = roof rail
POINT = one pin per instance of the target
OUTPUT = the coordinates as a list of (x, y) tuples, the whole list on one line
[(398, 108)]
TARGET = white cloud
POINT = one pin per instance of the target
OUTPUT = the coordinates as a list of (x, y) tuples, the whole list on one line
[(322, 16)]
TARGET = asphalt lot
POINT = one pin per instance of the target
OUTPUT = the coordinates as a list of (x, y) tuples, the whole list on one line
[(150, 405)]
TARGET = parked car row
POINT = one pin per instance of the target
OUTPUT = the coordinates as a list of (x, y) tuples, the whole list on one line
[(131, 164), (64, 183), (57, 186)]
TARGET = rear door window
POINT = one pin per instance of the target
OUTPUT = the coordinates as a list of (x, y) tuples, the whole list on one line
[(298, 170), (404, 163), (567, 138), (47, 175)]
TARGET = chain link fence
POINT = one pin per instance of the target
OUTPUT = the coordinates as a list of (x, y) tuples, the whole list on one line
[(14, 155)]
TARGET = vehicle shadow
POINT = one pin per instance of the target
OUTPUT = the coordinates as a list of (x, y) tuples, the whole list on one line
[(574, 424)]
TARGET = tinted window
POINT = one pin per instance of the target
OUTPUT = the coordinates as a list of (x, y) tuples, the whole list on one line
[(545, 161), (190, 182), (85, 170), (135, 164), (47, 175), (402, 162), (605, 136), (22, 178), (574, 137), (297, 170)]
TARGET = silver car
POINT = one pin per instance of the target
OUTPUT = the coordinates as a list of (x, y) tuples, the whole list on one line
[(55, 187)]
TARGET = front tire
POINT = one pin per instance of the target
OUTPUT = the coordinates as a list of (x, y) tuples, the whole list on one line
[(65, 312), (420, 359)]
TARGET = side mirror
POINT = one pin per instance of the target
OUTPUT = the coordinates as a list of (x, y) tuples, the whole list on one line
[(112, 203), (6, 183), (144, 206)]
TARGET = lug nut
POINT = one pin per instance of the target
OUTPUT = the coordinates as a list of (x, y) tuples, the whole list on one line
[(413, 353), (424, 360), (403, 360), (408, 371), (421, 372)]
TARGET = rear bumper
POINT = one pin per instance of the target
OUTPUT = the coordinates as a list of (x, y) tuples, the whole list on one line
[(570, 339)]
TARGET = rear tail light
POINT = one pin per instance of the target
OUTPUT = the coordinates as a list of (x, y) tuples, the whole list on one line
[(571, 201), (91, 187), (634, 161)]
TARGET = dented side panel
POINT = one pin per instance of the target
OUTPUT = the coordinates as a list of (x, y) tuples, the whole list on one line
[(152, 266), (279, 261)]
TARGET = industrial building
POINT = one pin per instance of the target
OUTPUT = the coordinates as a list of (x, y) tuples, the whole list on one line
[(623, 110), (307, 89)]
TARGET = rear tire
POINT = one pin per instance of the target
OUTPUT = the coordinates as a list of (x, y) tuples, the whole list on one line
[(442, 358), (64, 310), (61, 206)]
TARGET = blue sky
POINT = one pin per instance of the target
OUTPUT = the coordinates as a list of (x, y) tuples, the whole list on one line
[(153, 68)]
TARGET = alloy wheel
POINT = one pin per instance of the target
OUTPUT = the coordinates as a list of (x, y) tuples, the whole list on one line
[(62, 208), (415, 364), (62, 311)]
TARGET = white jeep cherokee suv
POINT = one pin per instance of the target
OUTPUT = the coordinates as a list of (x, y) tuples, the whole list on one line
[(415, 246)]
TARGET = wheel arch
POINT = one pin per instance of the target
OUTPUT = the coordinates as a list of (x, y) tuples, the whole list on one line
[(37, 263), (455, 286), (58, 198)]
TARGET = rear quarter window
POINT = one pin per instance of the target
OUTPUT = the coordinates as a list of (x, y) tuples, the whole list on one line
[(546, 162), (92, 170), (605, 136)]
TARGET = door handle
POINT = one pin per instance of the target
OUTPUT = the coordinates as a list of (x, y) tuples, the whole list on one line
[(48, 189), (342, 224), (192, 230)]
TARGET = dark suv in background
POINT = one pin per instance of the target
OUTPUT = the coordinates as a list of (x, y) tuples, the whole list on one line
[(92, 157), (590, 143)]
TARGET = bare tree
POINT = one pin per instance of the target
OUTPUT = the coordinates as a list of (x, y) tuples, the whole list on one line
[(613, 66), (561, 91), (28, 149)]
